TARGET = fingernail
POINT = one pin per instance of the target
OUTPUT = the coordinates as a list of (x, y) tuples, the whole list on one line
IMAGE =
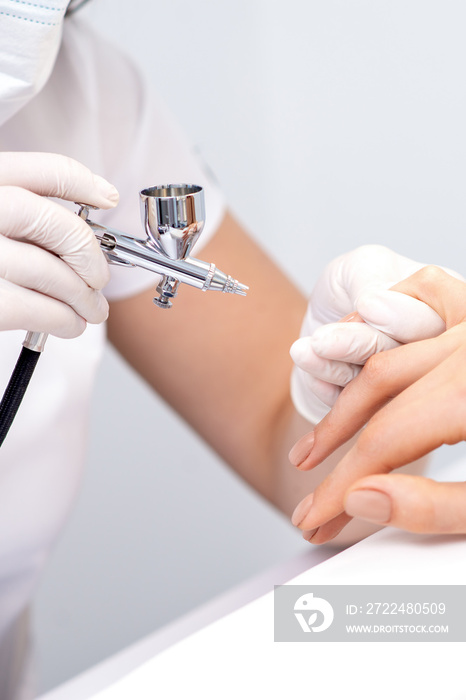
[(301, 449), (302, 509), (299, 351), (369, 505), (97, 311), (350, 318), (106, 189), (309, 534), (103, 307)]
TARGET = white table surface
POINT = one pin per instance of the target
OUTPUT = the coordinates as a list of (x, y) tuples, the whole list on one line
[(226, 649), (110, 671)]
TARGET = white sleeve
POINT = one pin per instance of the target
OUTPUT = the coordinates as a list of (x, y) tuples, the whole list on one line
[(97, 109), (160, 154)]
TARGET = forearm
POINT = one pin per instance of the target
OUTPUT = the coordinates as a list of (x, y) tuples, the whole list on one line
[(223, 364)]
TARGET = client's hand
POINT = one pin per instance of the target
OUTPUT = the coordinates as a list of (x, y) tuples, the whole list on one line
[(413, 399)]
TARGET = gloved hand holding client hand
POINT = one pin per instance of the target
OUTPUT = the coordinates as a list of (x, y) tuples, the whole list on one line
[(410, 400), (330, 353)]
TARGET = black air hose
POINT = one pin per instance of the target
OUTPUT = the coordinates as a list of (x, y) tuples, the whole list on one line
[(16, 389)]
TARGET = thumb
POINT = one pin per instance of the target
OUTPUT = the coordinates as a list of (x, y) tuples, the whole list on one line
[(412, 503), (399, 316)]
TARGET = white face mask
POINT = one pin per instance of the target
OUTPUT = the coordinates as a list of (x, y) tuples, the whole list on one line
[(30, 37)]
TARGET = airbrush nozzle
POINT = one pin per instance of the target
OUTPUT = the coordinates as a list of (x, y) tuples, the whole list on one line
[(241, 289), (218, 280)]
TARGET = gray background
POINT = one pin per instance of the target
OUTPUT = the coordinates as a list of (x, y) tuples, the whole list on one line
[(356, 108)]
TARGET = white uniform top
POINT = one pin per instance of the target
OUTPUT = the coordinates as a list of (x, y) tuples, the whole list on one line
[(95, 109)]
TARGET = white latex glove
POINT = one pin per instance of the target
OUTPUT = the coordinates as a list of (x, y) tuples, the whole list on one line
[(329, 354), (51, 265)]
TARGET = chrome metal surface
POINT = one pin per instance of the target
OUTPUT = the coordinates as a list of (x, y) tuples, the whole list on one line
[(35, 341), (173, 217), (167, 289)]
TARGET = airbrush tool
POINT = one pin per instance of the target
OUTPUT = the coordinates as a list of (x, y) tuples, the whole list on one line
[(173, 217)]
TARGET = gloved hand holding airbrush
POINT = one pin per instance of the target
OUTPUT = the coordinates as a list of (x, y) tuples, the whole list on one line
[(329, 353), (52, 270), (51, 265)]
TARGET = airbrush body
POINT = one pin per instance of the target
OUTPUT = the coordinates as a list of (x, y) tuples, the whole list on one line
[(173, 218)]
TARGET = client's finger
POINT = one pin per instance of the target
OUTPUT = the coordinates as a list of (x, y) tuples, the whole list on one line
[(383, 377), (328, 531), (442, 292), (406, 429), (412, 503)]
